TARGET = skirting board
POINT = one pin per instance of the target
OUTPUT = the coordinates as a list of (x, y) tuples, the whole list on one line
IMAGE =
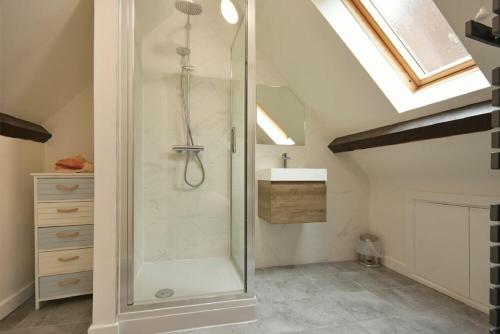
[(466, 301), (398, 266), (104, 329), (401, 268), (15, 300)]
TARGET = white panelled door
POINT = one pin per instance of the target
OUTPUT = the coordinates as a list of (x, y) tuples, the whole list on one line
[(452, 249), (479, 255), (442, 245)]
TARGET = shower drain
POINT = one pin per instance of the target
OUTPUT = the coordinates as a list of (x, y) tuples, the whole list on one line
[(164, 293)]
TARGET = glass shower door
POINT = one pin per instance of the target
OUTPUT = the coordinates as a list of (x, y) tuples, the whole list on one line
[(188, 119), (238, 152)]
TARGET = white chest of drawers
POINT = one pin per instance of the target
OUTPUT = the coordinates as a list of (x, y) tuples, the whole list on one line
[(64, 235)]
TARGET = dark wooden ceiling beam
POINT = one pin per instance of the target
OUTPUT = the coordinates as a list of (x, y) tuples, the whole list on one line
[(496, 6), (17, 128), (482, 33), (469, 119)]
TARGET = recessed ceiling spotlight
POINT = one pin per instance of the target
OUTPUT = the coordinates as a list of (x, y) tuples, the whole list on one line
[(229, 12)]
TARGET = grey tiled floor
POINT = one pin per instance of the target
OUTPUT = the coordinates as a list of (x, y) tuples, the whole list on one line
[(346, 298), (65, 316), (327, 298)]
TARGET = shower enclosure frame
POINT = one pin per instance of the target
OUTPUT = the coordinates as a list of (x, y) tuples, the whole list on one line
[(128, 311)]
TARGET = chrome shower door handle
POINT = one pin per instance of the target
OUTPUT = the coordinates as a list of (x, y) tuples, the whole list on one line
[(233, 140)]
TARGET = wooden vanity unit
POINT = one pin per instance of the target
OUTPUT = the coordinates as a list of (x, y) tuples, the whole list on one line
[(292, 196)]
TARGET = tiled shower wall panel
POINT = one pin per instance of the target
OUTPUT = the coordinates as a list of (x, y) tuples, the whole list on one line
[(181, 222)]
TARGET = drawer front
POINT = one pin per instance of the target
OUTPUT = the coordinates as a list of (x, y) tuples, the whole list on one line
[(292, 202), (65, 213), (65, 262), (65, 285), (65, 189), (65, 236)]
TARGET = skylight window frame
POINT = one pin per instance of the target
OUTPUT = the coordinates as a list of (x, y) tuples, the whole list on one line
[(395, 51)]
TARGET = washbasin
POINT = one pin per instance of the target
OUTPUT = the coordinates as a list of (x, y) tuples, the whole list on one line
[(292, 174)]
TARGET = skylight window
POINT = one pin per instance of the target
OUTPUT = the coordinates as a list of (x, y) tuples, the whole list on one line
[(418, 37), (407, 48)]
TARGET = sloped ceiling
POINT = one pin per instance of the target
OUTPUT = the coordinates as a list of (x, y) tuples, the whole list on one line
[(161, 29), (150, 14), (304, 48), (46, 55), (46, 59)]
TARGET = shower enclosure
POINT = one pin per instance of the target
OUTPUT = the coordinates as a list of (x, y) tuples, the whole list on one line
[(187, 167)]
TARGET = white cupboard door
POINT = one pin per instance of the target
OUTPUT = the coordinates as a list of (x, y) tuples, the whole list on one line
[(442, 245), (479, 255)]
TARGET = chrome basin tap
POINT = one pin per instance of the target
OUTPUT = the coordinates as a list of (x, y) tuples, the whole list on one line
[(285, 158)]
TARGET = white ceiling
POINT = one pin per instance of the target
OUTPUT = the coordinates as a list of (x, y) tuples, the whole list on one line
[(46, 55), (308, 53)]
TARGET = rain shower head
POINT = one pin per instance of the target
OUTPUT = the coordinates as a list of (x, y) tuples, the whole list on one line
[(188, 7)]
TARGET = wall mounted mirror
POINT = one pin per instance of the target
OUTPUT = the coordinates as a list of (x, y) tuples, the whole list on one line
[(280, 116)]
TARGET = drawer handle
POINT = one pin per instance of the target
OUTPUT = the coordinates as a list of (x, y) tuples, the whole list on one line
[(67, 259), (62, 235), (63, 187), (67, 210), (67, 282)]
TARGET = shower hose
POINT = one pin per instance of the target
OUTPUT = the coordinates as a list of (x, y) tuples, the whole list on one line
[(185, 88)]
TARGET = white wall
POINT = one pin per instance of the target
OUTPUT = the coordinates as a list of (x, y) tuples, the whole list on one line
[(25, 93), (106, 57), (456, 165), (18, 159), (72, 130)]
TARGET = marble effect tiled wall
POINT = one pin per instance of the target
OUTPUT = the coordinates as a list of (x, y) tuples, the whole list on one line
[(181, 222)]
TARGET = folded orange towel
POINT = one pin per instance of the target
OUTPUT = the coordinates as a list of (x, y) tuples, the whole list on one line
[(76, 164)]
